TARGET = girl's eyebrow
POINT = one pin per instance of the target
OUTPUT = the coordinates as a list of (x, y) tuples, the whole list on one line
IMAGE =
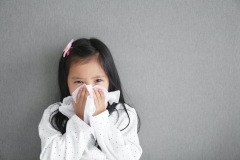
[(76, 78), (98, 76)]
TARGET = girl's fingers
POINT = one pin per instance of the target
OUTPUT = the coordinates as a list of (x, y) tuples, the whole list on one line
[(86, 93), (95, 97), (78, 95), (83, 92), (103, 99), (84, 98), (97, 94), (100, 99), (81, 96), (101, 94)]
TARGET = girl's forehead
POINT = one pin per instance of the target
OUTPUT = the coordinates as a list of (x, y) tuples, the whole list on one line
[(89, 69)]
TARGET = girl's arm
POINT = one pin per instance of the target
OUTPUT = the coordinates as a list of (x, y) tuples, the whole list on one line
[(76, 143), (114, 143)]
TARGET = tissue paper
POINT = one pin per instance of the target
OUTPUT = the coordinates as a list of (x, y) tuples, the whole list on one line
[(90, 108)]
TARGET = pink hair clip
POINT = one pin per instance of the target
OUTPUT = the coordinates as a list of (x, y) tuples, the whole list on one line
[(66, 50)]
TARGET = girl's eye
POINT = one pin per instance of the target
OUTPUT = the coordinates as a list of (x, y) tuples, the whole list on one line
[(78, 82), (98, 80)]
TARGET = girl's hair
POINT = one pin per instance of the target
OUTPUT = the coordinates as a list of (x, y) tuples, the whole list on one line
[(83, 50)]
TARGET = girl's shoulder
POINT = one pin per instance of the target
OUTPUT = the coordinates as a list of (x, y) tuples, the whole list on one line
[(51, 108), (122, 118), (130, 110)]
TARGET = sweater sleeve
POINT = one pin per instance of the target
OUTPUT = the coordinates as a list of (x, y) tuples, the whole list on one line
[(114, 143), (76, 143)]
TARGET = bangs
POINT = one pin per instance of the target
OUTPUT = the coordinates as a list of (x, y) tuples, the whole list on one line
[(74, 59)]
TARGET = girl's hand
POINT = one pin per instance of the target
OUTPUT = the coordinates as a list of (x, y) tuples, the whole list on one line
[(81, 99), (99, 101)]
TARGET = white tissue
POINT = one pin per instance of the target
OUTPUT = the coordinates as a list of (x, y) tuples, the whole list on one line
[(89, 106)]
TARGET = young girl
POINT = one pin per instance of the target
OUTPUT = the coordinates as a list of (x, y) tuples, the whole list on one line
[(112, 129)]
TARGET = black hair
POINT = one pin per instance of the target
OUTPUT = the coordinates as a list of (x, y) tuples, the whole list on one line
[(85, 49)]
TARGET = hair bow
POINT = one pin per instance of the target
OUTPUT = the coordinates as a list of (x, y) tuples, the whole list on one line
[(66, 50)]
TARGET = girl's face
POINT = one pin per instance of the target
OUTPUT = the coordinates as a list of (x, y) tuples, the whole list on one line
[(88, 73)]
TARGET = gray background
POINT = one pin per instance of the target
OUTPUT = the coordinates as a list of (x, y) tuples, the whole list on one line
[(178, 62)]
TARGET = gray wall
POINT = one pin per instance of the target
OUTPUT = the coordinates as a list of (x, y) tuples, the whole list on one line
[(178, 61)]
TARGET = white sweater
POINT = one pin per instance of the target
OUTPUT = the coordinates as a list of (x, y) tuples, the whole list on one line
[(78, 142)]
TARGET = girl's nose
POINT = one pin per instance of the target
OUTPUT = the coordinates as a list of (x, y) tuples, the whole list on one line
[(88, 83)]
